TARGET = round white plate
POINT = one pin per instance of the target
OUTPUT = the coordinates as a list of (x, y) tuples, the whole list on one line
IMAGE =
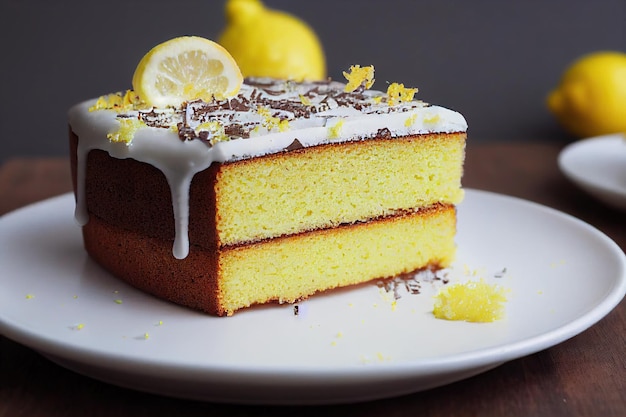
[(561, 274), (598, 166)]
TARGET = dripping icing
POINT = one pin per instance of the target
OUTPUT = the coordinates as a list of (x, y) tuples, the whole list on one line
[(179, 160)]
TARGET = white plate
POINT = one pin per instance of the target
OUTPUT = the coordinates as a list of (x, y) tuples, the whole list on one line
[(598, 166), (562, 276)]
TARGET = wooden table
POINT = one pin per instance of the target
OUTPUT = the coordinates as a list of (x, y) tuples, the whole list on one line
[(584, 376)]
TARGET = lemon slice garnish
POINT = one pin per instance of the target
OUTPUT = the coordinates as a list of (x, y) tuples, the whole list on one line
[(184, 69)]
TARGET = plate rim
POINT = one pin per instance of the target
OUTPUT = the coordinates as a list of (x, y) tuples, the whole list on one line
[(471, 359), (582, 180)]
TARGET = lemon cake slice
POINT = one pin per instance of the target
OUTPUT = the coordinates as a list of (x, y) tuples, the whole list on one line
[(273, 194)]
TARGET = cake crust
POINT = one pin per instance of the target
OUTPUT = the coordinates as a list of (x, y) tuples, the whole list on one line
[(130, 233)]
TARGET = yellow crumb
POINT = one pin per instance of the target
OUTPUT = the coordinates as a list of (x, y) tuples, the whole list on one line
[(118, 301), (359, 76), (146, 336), (29, 296), (79, 326), (473, 301), (160, 323), (559, 263)]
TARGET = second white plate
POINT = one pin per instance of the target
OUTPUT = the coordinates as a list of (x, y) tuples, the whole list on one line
[(562, 276), (598, 166)]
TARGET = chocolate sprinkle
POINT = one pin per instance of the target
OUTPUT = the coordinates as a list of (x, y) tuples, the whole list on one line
[(294, 146)]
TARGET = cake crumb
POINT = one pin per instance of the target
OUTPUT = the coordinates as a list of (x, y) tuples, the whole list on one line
[(79, 326), (118, 301), (29, 296), (472, 301)]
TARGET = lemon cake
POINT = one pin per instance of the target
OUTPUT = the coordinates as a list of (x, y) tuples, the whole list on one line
[(284, 190)]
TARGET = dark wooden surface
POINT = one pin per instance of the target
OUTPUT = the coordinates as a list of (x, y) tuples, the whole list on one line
[(584, 376)]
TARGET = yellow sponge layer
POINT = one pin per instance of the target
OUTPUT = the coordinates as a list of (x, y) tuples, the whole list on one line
[(329, 185), (290, 268)]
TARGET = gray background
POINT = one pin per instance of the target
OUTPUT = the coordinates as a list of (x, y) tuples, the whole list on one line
[(494, 61)]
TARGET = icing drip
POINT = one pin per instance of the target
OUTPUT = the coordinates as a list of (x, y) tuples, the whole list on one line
[(266, 117)]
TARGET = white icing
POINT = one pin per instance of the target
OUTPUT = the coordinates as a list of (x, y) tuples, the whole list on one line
[(180, 160)]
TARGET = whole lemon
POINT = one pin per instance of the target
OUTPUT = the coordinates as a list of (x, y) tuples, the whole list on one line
[(271, 43), (591, 97)]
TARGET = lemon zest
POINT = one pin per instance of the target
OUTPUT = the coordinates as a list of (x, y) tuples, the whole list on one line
[(397, 93), (335, 130), (305, 100), (271, 122), (215, 130), (127, 130), (119, 102), (359, 76), (434, 119)]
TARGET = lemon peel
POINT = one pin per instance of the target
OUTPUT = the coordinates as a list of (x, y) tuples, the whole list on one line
[(359, 76), (184, 69)]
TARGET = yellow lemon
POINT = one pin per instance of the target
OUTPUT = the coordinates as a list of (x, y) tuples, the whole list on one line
[(184, 69), (271, 43), (591, 98)]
